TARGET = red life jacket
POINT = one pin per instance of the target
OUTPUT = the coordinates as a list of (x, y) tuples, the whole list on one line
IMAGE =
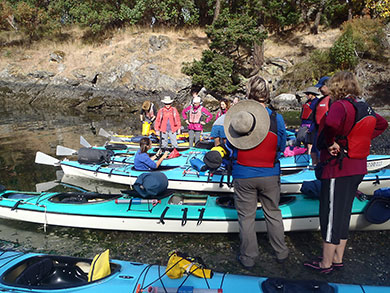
[(263, 155), (306, 111), (195, 114), (358, 141), (321, 109)]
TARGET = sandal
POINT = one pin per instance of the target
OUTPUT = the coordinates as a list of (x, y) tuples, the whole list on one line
[(335, 265), (316, 266)]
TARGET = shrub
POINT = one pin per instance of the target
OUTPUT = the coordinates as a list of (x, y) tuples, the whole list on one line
[(343, 53), (214, 71)]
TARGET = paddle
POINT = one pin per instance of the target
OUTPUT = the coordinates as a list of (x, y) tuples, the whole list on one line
[(41, 158), (44, 186), (64, 151), (104, 133), (84, 142)]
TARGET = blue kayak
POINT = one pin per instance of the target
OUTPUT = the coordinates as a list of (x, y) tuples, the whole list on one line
[(34, 272)]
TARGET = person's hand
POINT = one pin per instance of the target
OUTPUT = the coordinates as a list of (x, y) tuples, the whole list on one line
[(158, 152), (334, 149), (203, 123), (188, 122), (165, 155)]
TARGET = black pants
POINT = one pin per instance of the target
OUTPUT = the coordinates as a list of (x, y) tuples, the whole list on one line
[(336, 199)]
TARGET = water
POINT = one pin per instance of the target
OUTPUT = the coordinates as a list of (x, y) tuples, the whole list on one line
[(23, 133)]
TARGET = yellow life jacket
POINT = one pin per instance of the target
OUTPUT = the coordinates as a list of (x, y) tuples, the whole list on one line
[(178, 264), (100, 266)]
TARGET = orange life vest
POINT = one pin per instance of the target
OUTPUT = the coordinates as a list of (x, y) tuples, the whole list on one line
[(263, 155), (306, 111)]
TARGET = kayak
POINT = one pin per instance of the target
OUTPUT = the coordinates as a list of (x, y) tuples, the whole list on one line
[(36, 272), (172, 212), (188, 178)]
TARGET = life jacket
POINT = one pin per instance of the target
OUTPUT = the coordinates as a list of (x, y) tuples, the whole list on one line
[(150, 113), (263, 155), (358, 141), (306, 111), (168, 114), (195, 114), (321, 110)]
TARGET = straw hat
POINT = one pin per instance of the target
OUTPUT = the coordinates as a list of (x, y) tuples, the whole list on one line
[(167, 100), (146, 105), (246, 124)]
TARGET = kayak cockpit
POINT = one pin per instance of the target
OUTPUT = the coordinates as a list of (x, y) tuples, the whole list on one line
[(82, 197), (51, 272)]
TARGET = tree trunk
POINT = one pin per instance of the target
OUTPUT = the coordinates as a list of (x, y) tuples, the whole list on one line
[(314, 28), (349, 2), (217, 10), (258, 56)]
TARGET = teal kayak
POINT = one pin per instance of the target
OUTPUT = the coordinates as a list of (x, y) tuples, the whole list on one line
[(182, 212), (38, 273)]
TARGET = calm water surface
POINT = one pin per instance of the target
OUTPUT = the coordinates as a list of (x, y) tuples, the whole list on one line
[(23, 133)]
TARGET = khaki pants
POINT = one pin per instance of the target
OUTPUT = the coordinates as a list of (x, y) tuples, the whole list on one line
[(247, 192)]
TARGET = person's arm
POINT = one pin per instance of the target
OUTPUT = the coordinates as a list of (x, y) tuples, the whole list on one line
[(381, 125), (282, 134), (208, 114), (334, 122), (158, 121), (184, 114), (163, 157)]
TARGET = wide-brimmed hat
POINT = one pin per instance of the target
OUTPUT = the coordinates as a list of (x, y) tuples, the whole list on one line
[(167, 100), (146, 105), (312, 90), (246, 124), (322, 81)]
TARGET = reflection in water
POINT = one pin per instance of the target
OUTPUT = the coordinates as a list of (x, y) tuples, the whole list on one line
[(23, 134)]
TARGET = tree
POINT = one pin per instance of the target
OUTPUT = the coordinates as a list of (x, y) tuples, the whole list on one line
[(380, 8)]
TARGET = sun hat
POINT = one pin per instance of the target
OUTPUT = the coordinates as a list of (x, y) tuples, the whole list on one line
[(311, 90), (151, 184), (196, 99), (146, 105), (167, 100), (322, 81), (246, 124)]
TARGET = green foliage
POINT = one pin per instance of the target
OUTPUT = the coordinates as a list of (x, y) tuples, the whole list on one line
[(232, 32), (279, 14), (307, 73), (368, 35), (343, 53), (214, 71)]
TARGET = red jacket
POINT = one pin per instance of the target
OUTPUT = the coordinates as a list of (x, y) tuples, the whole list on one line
[(162, 118)]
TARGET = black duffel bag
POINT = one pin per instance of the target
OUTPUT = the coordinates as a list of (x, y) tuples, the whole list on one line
[(94, 156)]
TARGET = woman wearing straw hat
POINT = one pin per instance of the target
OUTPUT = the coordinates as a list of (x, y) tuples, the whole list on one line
[(167, 123), (147, 116), (257, 135)]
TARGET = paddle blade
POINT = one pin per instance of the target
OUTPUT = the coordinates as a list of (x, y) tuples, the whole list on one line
[(41, 158), (104, 133), (44, 186), (84, 142), (64, 151)]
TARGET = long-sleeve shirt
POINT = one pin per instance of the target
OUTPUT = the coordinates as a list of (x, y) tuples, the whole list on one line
[(339, 122), (186, 113)]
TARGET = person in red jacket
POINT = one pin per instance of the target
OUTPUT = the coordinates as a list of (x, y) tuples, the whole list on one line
[(344, 143), (167, 123)]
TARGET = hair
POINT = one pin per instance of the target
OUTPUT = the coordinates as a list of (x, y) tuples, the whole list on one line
[(144, 144), (342, 84), (258, 89), (227, 103)]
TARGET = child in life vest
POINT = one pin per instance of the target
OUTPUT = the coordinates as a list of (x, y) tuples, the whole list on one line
[(193, 115), (147, 116), (167, 123)]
